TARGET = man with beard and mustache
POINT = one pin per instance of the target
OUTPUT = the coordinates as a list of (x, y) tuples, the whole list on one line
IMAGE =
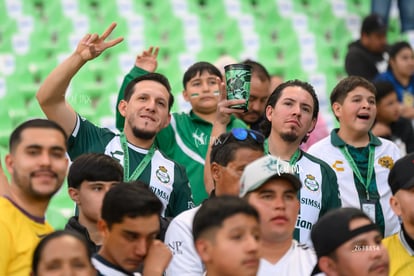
[(37, 164), (187, 137), (145, 106), (291, 114)]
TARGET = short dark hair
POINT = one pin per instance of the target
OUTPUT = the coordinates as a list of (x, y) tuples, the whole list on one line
[(397, 47), (373, 23), (224, 152), (199, 68), (37, 254), (129, 90), (258, 69), (348, 84), (94, 167), (15, 136), (277, 93), (129, 199), (384, 88), (216, 210)]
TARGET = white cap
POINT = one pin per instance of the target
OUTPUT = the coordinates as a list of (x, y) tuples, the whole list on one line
[(261, 170)]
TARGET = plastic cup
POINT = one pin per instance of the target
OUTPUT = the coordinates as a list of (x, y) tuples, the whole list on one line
[(238, 78)]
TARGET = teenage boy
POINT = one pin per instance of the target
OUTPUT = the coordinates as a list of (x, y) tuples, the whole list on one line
[(129, 226), (90, 177), (361, 160), (187, 137), (231, 152), (146, 106), (347, 242), (37, 164), (227, 236), (401, 245), (271, 186), (388, 123)]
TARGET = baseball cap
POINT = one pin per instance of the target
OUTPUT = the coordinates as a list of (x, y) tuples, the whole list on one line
[(373, 24), (261, 170), (332, 230), (402, 174)]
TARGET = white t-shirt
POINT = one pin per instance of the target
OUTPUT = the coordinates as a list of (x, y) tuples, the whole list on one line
[(298, 260), (179, 238)]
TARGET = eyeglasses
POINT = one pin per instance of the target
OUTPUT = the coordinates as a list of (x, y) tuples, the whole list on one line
[(241, 134)]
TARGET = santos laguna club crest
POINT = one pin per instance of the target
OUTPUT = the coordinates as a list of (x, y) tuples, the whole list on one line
[(162, 174), (386, 162), (311, 183)]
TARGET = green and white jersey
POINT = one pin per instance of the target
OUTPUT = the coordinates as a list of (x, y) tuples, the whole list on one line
[(166, 178), (353, 192), (186, 140), (318, 195)]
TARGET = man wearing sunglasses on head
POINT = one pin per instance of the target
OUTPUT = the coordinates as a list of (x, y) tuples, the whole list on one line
[(230, 153), (291, 114)]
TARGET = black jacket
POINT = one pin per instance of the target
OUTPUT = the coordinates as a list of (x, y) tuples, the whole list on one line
[(361, 62), (74, 225)]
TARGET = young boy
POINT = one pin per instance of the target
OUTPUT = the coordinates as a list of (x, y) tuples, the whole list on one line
[(90, 177), (360, 160), (389, 124), (226, 235), (187, 136)]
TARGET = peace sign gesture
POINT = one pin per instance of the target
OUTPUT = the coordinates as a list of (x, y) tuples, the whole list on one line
[(92, 45)]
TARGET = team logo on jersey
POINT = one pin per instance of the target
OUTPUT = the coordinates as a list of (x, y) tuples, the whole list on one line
[(117, 155), (199, 138), (311, 183), (339, 168), (162, 175), (386, 162)]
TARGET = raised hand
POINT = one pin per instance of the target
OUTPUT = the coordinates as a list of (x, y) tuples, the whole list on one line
[(224, 109), (147, 60), (157, 259), (92, 45)]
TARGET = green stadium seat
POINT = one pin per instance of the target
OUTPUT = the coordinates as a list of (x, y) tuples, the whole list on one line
[(60, 209), (6, 126)]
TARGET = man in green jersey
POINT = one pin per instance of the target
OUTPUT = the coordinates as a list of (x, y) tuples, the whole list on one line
[(146, 107), (187, 136), (291, 113)]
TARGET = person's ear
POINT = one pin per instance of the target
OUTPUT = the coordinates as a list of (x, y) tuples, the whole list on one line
[(268, 113), (215, 171), (328, 266), (313, 125), (204, 250), (395, 205), (122, 107), (74, 194), (103, 228), (186, 96), (337, 109), (9, 161)]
